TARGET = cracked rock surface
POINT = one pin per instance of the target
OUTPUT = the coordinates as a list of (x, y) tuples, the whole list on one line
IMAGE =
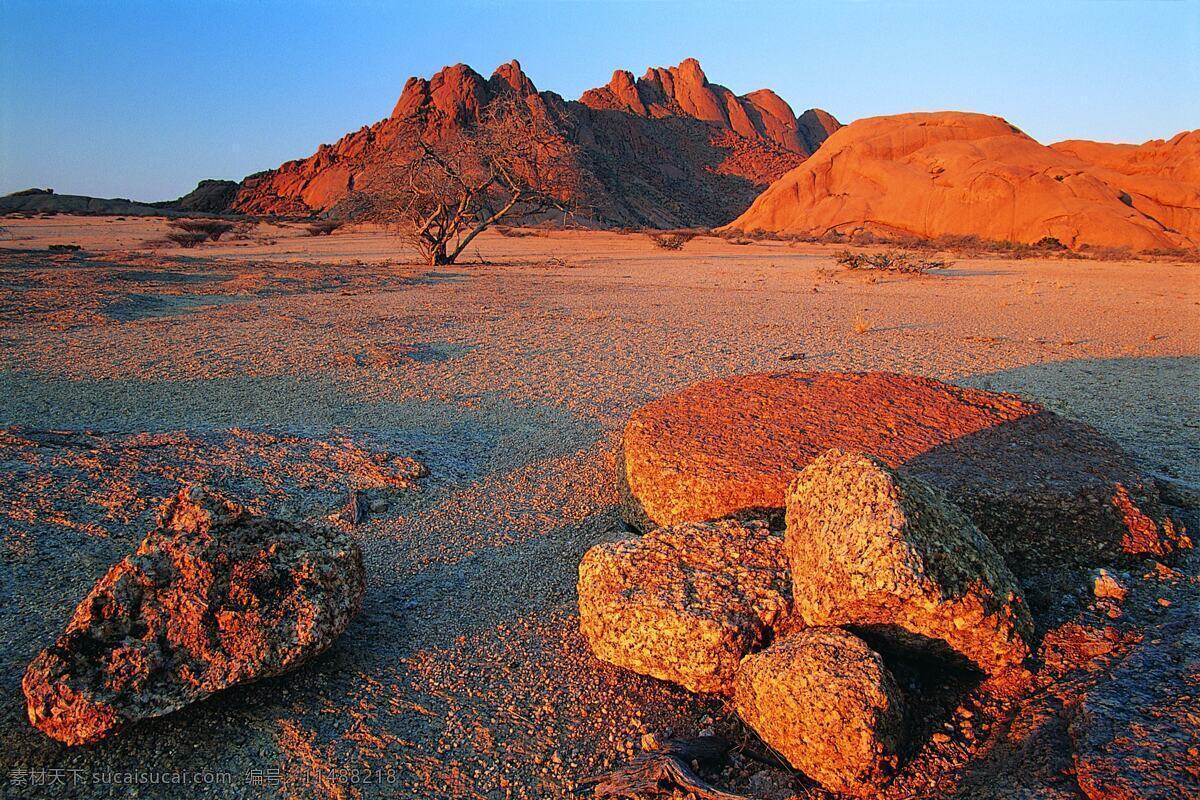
[(825, 701), (685, 603), (212, 597), (886, 554), (1046, 490)]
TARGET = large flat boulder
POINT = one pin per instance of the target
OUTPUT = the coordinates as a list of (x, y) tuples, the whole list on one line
[(213, 597), (1045, 489), (685, 603), (825, 701), (885, 553)]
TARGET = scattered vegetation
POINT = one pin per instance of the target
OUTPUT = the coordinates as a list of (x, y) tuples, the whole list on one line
[(516, 233), (672, 240), (890, 261), (207, 229), (64, 248), (323, 227), (186, 238), (862, 324)]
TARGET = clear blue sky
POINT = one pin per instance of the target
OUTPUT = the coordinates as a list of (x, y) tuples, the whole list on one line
[(143, 98)]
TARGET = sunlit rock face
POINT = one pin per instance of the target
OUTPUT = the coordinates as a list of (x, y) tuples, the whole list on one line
[(213, 597), (669, 149), (822, 699), (886, 554), (1047, 491), (959, 174)]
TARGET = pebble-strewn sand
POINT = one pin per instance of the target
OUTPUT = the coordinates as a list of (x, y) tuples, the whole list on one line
[(508, 377)]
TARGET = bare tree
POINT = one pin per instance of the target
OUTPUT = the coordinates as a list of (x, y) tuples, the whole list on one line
[(440, 192)]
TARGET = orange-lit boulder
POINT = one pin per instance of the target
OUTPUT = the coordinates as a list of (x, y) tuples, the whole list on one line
[(825, 702), (213, 597), (886, 554), (684, 603), (954, 173), (1046, 490)]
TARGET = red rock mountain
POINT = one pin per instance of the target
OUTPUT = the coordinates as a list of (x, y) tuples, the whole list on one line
[(669, 149), (931, 174)]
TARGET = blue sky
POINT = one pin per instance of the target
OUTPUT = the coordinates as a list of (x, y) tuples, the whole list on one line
[(142, 99)]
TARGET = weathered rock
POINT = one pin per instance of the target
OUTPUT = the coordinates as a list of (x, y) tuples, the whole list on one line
[(684, 603), (1046, 490), (958, 174), (212, 597), (825, 701), (1137, 735), (886, 554), (668, 150)]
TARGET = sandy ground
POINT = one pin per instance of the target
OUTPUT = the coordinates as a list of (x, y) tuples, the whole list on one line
[(282, 367)]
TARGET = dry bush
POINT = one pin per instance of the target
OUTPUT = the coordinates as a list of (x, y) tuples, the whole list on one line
[(323, 227), (671, 240), (207, 228), (187, 238), (516, 233), (64, 248), (244, 230), (890, 261), (1100, 253), (862, 324), (1191, 256)]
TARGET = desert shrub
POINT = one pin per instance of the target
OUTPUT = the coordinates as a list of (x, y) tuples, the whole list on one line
[(244, 230), (515, 233), (1049, 243), (672, 240), (187, 238), (889, 261), (323, 227), (207, 228), (1176, 253), (64, 248), (1100, 253)]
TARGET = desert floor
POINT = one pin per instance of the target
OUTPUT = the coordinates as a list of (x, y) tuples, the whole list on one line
[(286, 369)]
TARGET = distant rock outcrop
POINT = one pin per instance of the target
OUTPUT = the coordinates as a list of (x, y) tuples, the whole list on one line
[(669, 149), (209, 197), (951, 173), (213, 597)]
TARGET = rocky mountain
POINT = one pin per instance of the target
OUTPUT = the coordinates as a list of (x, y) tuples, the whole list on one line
[(669, 149), (933, 174)]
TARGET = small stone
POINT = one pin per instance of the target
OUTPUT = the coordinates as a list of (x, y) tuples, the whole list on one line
[(1106, 585)]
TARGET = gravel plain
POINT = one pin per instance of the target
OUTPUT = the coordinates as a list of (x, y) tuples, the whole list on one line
[(281, 368)]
